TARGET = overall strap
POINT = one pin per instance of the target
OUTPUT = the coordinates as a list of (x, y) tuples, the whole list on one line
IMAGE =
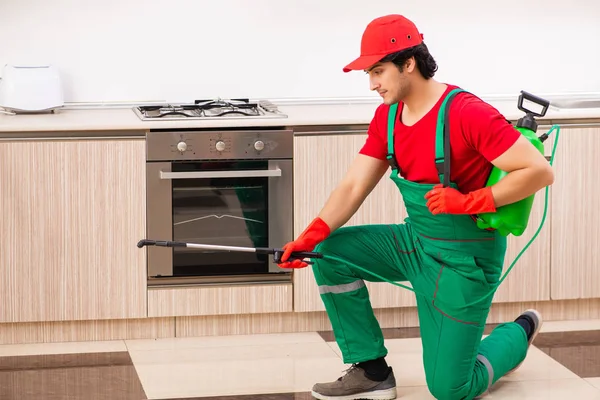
[(391, 157), (442, 139)]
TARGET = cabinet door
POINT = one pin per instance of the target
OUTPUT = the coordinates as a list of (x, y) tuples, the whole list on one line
[(72, 212), (576, 215), (320, 164), (529, 280)]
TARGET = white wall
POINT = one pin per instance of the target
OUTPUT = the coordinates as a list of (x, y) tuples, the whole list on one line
[(180, 50)]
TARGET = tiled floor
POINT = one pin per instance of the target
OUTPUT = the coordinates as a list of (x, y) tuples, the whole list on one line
[(565, 363)]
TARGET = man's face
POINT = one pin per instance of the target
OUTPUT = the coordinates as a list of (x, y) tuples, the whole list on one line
[(391, 84)]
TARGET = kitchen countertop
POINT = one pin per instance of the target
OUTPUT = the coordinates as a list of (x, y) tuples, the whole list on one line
[(349, 113)]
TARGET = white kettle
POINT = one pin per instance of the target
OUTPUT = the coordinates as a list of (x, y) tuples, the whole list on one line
[(29, 89)]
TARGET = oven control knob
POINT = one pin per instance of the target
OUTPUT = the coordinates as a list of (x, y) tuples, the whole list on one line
[(220, 145), (259, 145), (181, 146)]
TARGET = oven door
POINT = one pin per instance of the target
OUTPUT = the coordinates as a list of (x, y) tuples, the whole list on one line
[(244, 203)]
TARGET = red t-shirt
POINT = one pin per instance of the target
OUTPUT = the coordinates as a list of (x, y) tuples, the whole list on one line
[(478, 134)]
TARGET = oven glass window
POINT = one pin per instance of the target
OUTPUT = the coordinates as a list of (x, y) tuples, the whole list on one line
[(228, 211)]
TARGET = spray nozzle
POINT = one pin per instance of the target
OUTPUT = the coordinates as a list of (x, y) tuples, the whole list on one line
[(546, 135), (543, 137)]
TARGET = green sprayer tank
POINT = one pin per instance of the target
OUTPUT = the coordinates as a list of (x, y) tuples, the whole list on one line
[(513, 218)]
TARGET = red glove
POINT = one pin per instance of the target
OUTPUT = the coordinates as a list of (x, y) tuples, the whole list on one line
[(447, 200), (314, 234)]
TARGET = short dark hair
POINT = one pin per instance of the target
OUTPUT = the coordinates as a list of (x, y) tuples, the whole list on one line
[(425, 62)]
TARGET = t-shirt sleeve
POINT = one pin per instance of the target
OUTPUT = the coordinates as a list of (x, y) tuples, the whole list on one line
[(376, 143), (486, 129)]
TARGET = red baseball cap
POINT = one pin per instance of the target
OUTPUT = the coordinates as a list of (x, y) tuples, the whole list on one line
[(383, 36)]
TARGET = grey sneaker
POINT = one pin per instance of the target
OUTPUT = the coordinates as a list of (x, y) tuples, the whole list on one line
[(355, 385), (536, 317)]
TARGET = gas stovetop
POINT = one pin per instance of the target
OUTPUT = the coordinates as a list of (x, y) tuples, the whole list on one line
[(204, 109)]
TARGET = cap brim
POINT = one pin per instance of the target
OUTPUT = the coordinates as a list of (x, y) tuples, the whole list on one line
[(363, 62)]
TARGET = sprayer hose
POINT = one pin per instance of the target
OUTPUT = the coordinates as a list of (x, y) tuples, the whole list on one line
[(495, 286)]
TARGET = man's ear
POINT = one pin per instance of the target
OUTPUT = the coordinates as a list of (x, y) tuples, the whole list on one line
[(410, 65)]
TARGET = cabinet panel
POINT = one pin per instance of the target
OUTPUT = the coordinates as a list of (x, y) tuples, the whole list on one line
[(72, 212), (220, 300), (576, 215)]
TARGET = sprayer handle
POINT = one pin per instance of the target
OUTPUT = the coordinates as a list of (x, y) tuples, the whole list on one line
[(296, 255), (535, 99)]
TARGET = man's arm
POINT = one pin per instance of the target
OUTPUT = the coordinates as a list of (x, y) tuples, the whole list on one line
[(503, 145), (361, 178), (528, 171), (488, 132), (344, 200), (363, 175)]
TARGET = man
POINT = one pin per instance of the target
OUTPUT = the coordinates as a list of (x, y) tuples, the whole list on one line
[(450, 262)]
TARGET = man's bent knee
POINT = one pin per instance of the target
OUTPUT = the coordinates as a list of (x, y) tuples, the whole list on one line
[(332, 270)]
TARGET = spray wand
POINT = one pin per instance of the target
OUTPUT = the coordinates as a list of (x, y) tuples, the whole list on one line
[(277, 253)]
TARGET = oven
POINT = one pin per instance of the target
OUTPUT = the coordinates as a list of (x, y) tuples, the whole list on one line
[(230, 187)]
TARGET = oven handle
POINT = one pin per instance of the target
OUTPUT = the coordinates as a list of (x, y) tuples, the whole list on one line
[(221, 174)]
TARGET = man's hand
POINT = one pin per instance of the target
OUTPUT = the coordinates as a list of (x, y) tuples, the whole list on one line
[(314, 234), (447, 200)]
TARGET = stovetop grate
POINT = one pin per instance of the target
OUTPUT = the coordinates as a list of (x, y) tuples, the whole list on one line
[(232, 108)]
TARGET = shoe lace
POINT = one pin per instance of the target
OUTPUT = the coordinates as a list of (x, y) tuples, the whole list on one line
[(347, 371)]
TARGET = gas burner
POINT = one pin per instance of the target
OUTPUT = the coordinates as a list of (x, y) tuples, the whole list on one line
[(218, 108)]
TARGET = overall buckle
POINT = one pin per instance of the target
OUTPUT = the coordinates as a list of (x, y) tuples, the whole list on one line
[(392, 161)]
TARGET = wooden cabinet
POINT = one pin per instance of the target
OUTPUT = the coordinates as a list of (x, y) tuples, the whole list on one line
[(322, 161), (72, 212), (576, 215)]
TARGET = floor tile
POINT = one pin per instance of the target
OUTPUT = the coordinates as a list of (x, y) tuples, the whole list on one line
[(594, 382), (91, 376), (272, 367), (236, 369), (584, 328), (555, 389), (405, 356), (222, 341), (404, 393), (539, 366), (261, 396), (531, 390), (62, 348), (582, 360)]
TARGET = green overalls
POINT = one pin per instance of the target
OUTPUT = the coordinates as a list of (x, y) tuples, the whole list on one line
[(450, 263)]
